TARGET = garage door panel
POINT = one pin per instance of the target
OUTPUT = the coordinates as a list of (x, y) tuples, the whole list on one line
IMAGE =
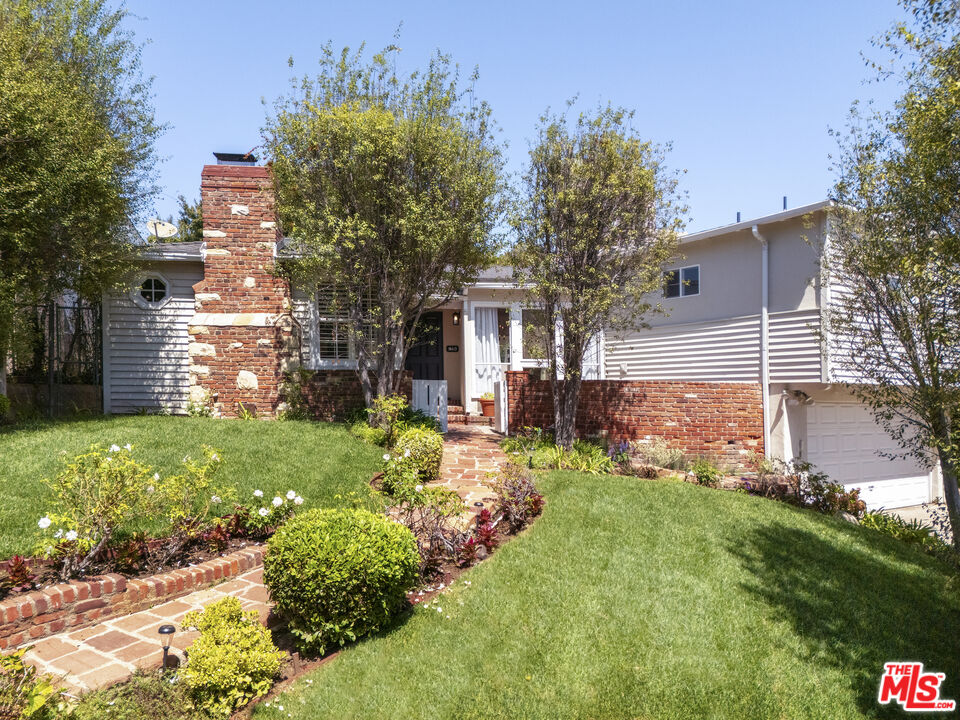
[(844, 441)]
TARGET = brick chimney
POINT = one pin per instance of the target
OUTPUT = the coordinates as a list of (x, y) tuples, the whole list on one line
[(242, 336)]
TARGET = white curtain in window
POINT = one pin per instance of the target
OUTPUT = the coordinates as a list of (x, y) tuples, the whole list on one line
[(487, 356), (591, 358)]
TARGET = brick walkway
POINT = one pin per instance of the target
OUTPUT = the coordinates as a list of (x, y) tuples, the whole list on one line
[(113, 650)]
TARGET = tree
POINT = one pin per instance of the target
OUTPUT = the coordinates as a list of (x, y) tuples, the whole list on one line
[(190, 221), (599, 218), (392, 189), (893, 325), (76, 150)]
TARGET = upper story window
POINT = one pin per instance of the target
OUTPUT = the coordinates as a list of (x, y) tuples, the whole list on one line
[(151, 292), (681, 282)]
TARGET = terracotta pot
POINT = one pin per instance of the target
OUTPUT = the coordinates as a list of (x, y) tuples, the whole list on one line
[(486, 407)]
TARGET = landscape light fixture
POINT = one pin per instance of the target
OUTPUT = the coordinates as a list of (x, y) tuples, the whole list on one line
[(166, 636), (456, 318)]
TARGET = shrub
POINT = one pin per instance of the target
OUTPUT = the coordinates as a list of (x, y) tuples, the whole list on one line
[(400, 475), (386, 412), (374, 436), (517, 498), (658, 452), (424, 448), (706, 473), (4, 407), (17, 577), (23, 692), (233, 661), (337, 575), (294, 403), (430, 513), (914, 532), (95, 495), (587, 457), (258, 523)]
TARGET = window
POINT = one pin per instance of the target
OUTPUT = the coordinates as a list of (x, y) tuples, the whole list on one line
[(682, 282), (333, 342), (503, 334), (151, 292), (534, 334)]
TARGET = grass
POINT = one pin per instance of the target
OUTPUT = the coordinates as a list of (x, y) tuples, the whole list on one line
[(317, 460), (640, 599)]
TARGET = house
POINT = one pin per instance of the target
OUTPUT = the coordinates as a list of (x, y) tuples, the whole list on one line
[(732, 368)]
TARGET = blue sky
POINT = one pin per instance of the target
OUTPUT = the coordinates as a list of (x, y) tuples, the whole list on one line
[(744, 90)]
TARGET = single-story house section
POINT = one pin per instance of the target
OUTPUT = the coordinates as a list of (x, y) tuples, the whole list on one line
[(733, 368)]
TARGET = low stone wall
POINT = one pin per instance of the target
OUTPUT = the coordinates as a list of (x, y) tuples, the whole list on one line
[(722, 420), (80, 603)]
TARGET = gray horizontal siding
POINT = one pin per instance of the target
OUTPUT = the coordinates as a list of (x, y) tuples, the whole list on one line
[(145, 351), (719, 351)]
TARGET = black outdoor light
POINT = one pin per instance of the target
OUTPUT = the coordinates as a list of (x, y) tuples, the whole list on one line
[(166, 636), (456, 318)]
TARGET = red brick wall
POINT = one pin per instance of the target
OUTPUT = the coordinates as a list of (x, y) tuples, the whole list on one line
[(242, 337), (333, 394), (724, 420)]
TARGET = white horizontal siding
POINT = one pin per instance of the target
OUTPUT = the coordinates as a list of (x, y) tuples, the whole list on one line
[(145, 351), (304, 312), (719, 351), (795, 354)]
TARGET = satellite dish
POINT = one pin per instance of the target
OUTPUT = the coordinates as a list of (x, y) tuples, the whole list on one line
[(160, 229)]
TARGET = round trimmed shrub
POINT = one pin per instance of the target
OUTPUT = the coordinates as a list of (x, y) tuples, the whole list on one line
[(337, 575), (426, 451)]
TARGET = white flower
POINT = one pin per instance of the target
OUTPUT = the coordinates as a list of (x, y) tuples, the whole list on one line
[(291, 494), (71, 535), (44, 522), (386, 456), (214, 457), (277, 501), (215, 499), (263, 512), (406, 453), (107, 459), (128, 446), (58, 533), (150, 489), (156, 476), (298, 500), (419, 488), (439, 609), (114, 448), (258, 493)]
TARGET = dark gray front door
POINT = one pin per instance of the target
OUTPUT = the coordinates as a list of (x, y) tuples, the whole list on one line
[(425, 359)]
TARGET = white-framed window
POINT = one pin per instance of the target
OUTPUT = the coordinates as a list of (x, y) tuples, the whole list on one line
[(331, 344), (681, 282), (151, 291), (534, 329)]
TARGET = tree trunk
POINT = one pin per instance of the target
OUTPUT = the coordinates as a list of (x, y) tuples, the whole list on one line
[(566, 396), (951, 495)]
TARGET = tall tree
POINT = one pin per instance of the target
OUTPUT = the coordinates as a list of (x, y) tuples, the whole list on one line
[(76, 150), (600, 216), (894, 250), (189, 222), (392, 188)]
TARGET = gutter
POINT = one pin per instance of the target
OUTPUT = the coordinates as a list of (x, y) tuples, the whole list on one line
[(764, 335)]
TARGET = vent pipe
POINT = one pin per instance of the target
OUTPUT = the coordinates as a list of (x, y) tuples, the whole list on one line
[(738, 216), (784, 202)]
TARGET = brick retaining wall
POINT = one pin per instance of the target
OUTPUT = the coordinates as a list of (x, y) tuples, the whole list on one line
[(333, 394), (80, 603), (724, 420)]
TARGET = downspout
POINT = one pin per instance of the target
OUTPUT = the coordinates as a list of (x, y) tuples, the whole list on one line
[(764, 335)]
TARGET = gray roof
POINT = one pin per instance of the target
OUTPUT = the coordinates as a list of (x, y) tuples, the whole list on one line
[(171, 251)]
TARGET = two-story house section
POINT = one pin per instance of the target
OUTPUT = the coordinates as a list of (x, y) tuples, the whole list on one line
[(744, 305)]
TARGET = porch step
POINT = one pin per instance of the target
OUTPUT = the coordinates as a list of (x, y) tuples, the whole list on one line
[(458, 418), (454, 410), (479, 420)]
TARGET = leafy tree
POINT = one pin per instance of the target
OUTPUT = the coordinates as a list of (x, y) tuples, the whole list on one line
[(76, 150), (392, 188), (599, 218), (190, 221), (894, 250)]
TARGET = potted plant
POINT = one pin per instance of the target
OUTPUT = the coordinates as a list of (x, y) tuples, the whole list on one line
[(486, 404)]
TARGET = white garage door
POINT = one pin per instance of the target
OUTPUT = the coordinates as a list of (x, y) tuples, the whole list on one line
[(843, 441)]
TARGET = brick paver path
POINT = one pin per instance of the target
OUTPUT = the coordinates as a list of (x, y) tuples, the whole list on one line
[(112, 651)]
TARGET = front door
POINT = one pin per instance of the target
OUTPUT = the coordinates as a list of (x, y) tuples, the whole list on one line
[(425, 359)]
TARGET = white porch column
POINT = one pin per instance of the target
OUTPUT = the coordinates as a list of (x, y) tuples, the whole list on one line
[(516, 336), (469, 343)]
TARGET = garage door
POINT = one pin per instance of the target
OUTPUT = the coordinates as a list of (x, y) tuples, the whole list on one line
[(843, 441)]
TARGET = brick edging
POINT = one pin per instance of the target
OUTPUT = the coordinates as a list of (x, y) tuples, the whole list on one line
[(80, 603)]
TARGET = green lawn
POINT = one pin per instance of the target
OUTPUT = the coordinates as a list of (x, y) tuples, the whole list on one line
[(317, 460), (639, 599)]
